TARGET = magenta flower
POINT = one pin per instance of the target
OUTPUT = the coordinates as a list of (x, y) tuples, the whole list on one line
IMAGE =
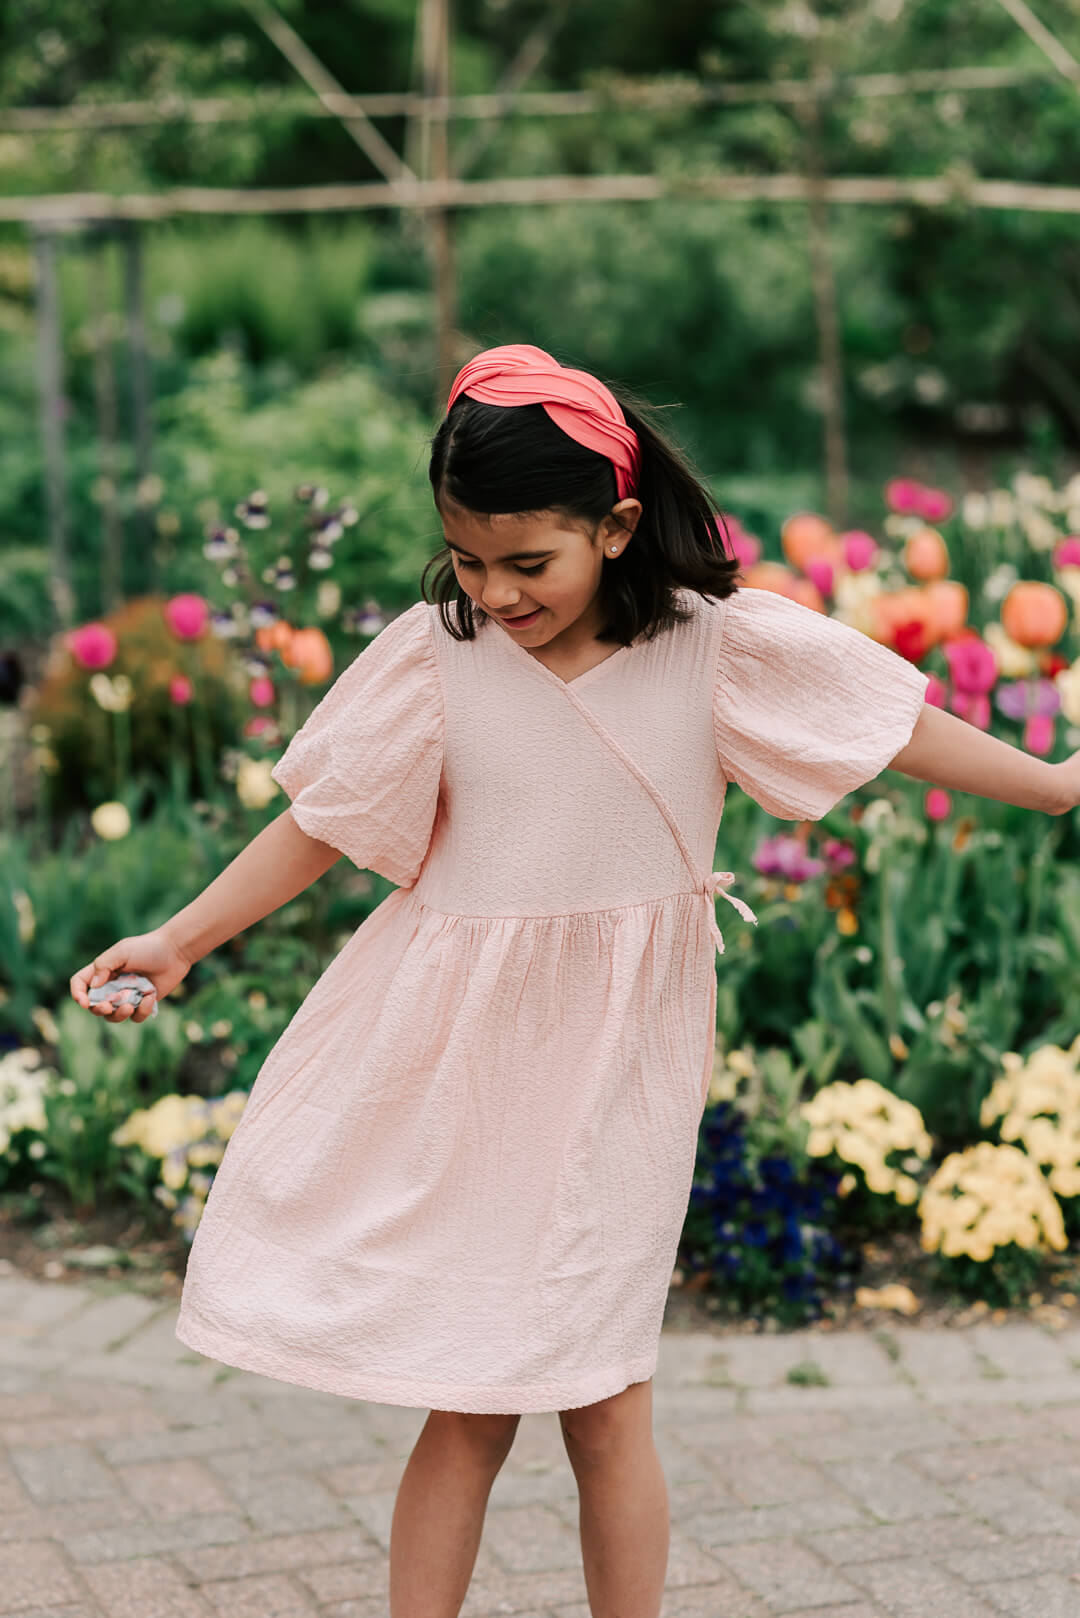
[(746, 548), (936, 691), (860, 549), (937, 804), (187, 616), (902, 495), (1039, 734), (820, 574), (974, 706), (181, 690), (261, 691), (93, 646), (972, 664), (838, 853), (910, 498), (786, 857), (1067, 554), (935, 505)]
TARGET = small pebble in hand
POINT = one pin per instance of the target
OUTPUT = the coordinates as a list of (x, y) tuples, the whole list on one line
[(127, 989)]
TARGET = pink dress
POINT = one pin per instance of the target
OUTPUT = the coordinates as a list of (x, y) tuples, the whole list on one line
[(463, 1171)]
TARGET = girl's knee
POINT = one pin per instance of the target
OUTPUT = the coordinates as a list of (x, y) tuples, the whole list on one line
[(599, 1428), (489, 1435)]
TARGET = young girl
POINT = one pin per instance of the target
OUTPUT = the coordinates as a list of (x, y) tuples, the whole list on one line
[(461, 1177)]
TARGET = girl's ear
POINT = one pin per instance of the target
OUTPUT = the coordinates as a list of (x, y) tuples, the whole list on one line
[(627, 515)]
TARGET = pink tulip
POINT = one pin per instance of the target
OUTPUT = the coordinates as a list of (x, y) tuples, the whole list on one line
[(936, 692), (785, 856), (258, 724), (1067, 554), (187, 616), (860, 549), (1039, 734), (937, 804), (820, 574), (838, 853), (181, 690), (972, 664), (93, 646), (261, 691), (934, 504), (974, 706), (904, 496)]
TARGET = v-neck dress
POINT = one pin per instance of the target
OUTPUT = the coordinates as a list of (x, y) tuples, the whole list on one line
[(462, 1173)]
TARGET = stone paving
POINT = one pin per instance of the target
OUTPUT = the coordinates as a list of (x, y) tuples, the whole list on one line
[(911, 1473)]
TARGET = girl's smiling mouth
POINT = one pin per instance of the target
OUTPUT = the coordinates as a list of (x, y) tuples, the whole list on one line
[(525, 620)]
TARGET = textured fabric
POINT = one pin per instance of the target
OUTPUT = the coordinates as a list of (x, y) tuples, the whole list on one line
[(463, 1171), (806, 709), (578, 403)]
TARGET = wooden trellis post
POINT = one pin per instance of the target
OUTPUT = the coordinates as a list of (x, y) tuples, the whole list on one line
[(434, 145), (112, 528), (52, 405), (139, 361)]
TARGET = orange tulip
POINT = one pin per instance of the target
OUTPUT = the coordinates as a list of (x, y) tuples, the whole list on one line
[(769, 576), (926, 555), (804, 536), (1034, 614), (274, 637), (309, 651), (947, 604)]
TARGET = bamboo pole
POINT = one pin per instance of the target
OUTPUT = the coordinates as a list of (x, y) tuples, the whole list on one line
[(823, 282), (436, 150), (51, 408), (112, 533), (538, 103), (139, 361), (326, 87), (958, 189)]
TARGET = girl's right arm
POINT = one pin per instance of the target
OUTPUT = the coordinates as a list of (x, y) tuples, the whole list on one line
[(274, 867)]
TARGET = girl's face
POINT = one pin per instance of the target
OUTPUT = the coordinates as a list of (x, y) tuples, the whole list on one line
[(537, 569)]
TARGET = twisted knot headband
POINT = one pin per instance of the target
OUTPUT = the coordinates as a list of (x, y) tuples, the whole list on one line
[(579, 404)]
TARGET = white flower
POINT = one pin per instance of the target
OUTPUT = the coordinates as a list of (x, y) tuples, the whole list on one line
[(111, 821)]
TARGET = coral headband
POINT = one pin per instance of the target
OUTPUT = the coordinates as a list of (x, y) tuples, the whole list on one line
[(519, 374)]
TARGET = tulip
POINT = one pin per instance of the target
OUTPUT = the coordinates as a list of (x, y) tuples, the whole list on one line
[(805, 535), (309, 652), (274, 637), (925, 555), (936, 692), (1039, 734), (1034, 614), (902, 495), (1067, 553), (937, 804), (93, 646), (261, 691), (187, 616), (181, 690), (934, 504), (860, 550), (820, 573)]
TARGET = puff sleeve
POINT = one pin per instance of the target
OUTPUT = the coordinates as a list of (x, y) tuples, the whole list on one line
[(363, 770), (806, 708)]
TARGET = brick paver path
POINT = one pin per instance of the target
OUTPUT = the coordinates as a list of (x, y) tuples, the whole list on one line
[(931, 1474)]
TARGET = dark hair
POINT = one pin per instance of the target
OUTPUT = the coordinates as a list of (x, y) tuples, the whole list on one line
[(514, 459)]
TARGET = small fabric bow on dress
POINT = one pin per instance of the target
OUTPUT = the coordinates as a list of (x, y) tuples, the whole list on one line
[(715, 886)]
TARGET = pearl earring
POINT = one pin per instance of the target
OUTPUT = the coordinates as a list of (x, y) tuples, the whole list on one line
[(614, 548)]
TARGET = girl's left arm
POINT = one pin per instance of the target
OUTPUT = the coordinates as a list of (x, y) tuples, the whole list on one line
[(952, 752)]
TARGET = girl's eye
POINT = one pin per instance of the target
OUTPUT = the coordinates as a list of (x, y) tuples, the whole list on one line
[(461, 562)]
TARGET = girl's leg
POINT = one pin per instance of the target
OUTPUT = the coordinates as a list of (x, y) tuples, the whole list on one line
[(439, 1511), (623, 1503)]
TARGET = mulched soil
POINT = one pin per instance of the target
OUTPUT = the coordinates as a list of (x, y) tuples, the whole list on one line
[(115, 1244)]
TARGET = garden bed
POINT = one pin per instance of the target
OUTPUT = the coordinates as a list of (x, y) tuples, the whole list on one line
[(54, 1245)]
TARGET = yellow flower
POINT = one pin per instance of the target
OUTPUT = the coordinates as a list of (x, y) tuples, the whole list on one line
[(988, 1197), (254, 786), (111, 821)]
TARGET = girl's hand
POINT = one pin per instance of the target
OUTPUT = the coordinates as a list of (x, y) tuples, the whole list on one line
[(153, 954)]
